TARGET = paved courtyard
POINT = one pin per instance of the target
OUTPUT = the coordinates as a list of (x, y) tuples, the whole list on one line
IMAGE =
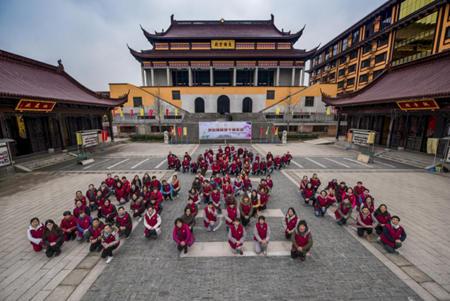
[(341, 267)]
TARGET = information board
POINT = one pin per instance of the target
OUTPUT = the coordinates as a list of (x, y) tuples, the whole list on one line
[(4, 155), (225, 130)]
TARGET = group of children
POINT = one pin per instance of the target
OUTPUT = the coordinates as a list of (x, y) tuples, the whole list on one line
[(104, 229), (237, 202), (97, 221), (347, 200), (230, 160)]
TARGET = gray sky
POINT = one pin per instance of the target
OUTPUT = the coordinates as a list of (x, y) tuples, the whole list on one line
[(90, 36)]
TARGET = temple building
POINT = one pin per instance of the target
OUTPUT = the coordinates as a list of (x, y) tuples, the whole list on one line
[(226, 67), (406, 97), (42, 107), (397, 32)]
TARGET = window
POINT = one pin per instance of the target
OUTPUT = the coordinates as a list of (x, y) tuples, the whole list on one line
[(386, 18), (364, 78), (380, 58), (137, 101), (333, 64), (332, 76), (409, 6), (343, 59), (369, 29), (270, 94), (350, 81), (415, 40), (266, 77), (341, 72), (353, 54), (327, 54), (377, 73), (367, 48), (309, 101), (355, 37), (344, 44), (365, 63), (340, 84), (180, 77), (176, 95), (335, 49), (383, 40), (447, 33), (352, 68)]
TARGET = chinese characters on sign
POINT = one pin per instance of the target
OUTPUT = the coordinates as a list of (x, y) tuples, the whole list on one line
[(226, 130), (35, 105), (222, 44), (411, 105)]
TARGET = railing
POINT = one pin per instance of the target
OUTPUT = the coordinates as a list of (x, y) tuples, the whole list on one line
[(301, 117)]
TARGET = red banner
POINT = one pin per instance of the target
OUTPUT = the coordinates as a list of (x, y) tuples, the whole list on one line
[(35, 105), (261, 131), (150, 113), (131, 113), (180, 131), (413, 105), (167, 112)]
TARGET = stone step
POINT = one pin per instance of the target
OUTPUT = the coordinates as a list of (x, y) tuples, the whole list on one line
[(223, 249)]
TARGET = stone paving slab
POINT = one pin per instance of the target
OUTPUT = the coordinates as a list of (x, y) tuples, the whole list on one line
[(421, 248), (340, 268), (25, 274), (222, 249)]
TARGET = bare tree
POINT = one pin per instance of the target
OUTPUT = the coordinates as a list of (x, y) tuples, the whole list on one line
[(158, 107), (290, 106)]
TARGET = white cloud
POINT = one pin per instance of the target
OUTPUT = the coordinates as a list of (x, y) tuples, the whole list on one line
[(91, 36)]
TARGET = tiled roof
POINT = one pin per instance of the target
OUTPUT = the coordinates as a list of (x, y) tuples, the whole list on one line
[(24, 77), (222, 29), (222, 54)]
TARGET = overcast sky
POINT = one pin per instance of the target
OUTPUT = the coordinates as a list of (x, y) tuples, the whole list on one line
[(90, 36)]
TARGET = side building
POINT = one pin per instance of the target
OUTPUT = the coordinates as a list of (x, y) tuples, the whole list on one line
[(397, 32), (42, 106)]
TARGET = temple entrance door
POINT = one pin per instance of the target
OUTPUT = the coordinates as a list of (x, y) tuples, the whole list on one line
[(223, 104), (385, 132), (247, 105), (38, 129), (199, 105)]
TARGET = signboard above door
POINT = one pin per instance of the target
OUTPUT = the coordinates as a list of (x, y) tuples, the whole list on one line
[(35, 105)]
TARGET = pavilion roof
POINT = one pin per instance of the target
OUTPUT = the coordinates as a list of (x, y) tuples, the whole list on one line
[(222, 29), (276, 54), (22, 77)]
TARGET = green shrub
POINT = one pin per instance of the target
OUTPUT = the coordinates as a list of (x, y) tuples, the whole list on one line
[(293, 136), (157, 137)]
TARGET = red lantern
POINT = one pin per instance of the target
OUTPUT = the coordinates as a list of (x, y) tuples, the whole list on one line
[(150, 113), (167, 112), (180, 131), (131, 113)]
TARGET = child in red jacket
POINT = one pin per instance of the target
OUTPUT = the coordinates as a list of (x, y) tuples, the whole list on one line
[(34, 234), (123, 222), (69, 226), (393, 235)]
